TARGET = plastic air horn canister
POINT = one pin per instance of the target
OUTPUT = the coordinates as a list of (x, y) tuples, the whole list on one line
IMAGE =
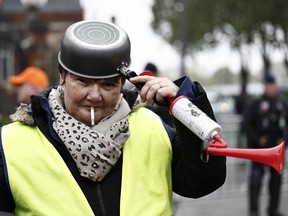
[(194, 118)]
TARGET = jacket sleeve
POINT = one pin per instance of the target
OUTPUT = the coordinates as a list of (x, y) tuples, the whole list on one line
[(191, 176)]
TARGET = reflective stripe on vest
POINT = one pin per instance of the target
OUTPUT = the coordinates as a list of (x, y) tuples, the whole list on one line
[(42, 184)]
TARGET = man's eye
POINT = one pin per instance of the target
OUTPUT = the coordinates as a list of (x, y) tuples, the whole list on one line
[(83, 80), (108, 84)]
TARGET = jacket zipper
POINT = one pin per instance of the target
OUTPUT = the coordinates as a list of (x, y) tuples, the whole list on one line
[(100, 199)]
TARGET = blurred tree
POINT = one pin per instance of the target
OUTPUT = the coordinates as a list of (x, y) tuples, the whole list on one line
[(223, 76), (243, 23)]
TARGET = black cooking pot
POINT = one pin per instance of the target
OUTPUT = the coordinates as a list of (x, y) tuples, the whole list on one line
[(94, 49)]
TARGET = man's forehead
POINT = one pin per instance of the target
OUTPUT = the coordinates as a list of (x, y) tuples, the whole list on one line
[(86, 78)]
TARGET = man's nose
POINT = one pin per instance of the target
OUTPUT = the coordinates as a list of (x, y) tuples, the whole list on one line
[(94, 93)]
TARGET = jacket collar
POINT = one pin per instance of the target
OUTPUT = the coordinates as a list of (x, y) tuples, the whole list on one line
[(39, 107)]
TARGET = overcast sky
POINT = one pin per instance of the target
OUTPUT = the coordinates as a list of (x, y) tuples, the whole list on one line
[(134, 16)]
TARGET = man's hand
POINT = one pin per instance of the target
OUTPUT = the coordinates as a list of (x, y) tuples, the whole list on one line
[(159, 88)]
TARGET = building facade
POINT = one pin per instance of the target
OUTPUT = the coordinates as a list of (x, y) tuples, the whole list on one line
[(30, 35)]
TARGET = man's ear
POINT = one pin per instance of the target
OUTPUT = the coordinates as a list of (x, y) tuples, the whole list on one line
[(62, 78)]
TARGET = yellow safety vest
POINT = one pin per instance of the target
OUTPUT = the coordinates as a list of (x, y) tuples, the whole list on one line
[(42, 184)]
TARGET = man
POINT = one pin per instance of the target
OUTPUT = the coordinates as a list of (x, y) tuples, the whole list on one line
[(265, 122), (29, 82), (151, 67)]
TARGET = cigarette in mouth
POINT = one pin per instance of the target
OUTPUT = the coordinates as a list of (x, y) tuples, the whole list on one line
[(92, 117)]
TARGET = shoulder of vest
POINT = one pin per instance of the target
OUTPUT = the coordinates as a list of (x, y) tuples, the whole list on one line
[(152, 118), (19, 125), (145, 111)]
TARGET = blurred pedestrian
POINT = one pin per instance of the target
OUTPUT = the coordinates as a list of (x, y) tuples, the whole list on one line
[(241, 102), (152, 68), (265, 123), (162, 111), (30, 81)]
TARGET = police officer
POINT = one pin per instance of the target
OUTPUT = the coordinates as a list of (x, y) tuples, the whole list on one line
[(265, 121)]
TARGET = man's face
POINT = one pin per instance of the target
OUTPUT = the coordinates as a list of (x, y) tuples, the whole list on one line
[(24, 92), (271, 89), (80, 94)]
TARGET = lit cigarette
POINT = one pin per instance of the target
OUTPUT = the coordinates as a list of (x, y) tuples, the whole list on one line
[(92, 117)]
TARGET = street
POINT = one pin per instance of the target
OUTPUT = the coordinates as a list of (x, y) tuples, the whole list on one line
[(231, 198)]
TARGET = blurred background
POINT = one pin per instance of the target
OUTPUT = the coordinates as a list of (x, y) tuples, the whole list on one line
[(228, 46)]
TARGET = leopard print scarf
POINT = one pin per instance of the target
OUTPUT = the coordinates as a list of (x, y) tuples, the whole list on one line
[(95, 150)]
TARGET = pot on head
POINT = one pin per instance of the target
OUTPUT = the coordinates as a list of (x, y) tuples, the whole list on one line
[(94, 49)]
